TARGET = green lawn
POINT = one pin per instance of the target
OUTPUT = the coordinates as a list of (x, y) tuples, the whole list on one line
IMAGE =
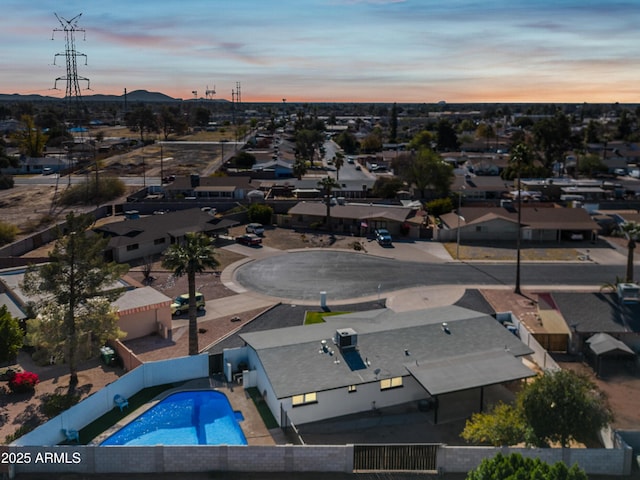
[(262, 408), (316, 317)]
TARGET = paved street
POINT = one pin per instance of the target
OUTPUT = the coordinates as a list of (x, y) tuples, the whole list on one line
[(342, 275)]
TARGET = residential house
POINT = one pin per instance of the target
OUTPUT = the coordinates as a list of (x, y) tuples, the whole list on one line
[(445, 359), (276, 168), (539, 224), (147, 236), (215, 188), (144, 311), (350, 218), (595, 313), (36, 165)]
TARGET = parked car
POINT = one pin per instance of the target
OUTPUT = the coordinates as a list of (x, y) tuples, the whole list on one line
[(383, 236), (256, 228), (249, 239), (181, 303)]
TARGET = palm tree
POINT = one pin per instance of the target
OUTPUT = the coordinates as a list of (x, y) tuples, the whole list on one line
[(519, 156), (299, 168), (192, 256), (328, 184), (631, 231), (338, 161)]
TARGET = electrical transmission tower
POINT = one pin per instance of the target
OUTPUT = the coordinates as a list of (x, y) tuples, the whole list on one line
[(73, 95)]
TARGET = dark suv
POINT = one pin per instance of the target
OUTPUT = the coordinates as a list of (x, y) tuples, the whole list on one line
[(383, 237)]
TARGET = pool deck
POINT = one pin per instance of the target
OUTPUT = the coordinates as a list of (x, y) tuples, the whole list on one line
[(253, 427)]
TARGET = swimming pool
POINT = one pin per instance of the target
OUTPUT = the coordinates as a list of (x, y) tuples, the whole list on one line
[(184, 418)]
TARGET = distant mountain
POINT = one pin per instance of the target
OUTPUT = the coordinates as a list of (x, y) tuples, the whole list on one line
[(143, 96)]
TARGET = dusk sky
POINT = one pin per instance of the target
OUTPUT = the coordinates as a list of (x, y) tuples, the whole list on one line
[(333, 50)]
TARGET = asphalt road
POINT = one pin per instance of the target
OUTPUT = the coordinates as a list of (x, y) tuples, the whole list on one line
[(344, 275)]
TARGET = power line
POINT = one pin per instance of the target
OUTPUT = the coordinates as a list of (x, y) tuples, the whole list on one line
[(73, 95)]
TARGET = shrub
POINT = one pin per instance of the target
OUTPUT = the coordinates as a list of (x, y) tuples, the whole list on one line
[(439, 206), (56, 403), (86, 193), (260, 213), (8, 233), (23, 382)]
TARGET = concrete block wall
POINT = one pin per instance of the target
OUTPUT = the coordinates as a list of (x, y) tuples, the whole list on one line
[(96, 459), (595, 461), (92, 407)]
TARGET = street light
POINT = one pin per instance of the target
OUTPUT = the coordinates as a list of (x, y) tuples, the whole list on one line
[(459, 217)]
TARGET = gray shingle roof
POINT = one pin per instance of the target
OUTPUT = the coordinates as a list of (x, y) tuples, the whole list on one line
[(603, 343), (387, 341), (597, 312), (351, 211)]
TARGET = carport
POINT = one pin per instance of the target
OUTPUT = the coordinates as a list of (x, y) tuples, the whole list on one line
[(467, 372)]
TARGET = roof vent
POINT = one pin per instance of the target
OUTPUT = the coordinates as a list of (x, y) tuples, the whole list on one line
[(346, 338)]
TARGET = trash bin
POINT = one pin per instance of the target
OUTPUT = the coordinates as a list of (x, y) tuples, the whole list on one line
[(108, 355)]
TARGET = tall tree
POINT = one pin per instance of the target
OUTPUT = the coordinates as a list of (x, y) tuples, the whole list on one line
[(328, 184), (338, 161), (393, 134), (562, 406), (193, 256), (553, 137), (10, 335), (447, 139), (75, 300), (425, 169), (31, 139), (299, 168), (142, 119)]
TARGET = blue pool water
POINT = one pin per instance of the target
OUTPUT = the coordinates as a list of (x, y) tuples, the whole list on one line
[(184, 418)]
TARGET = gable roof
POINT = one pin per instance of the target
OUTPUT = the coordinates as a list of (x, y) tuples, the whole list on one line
[(597, 312), (532, 217), (352, 211), (603, 343), (387, 341), (147, 229)]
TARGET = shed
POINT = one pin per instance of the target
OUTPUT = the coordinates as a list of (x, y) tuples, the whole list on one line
[(607, 352)]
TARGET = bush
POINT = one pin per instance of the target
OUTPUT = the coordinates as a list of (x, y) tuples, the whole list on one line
[(87, 194), (260, 213), (6, 182), (56, 403), (439, 206), (23, 382), (8, 233)]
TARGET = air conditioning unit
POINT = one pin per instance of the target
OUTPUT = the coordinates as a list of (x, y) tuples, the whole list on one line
[(346, 338)]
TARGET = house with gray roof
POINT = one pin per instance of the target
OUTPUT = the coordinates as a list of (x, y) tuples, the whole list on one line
[(442, 357), (147, 236), (216, 188), (351, 218)]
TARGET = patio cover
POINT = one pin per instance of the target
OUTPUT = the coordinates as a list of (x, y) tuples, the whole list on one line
[(469, 371)]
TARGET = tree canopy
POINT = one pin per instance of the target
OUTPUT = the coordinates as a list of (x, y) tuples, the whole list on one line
[(558, 407), (75, 290), (517, 467), (10, 335), (563, 406), (425, 169)]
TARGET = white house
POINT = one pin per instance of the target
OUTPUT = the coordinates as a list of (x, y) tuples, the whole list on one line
[(442, 358)]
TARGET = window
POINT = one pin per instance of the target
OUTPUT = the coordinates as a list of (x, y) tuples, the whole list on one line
[(131, 247), (303, 399), (159, 241), (351, 388), (388, 383)]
